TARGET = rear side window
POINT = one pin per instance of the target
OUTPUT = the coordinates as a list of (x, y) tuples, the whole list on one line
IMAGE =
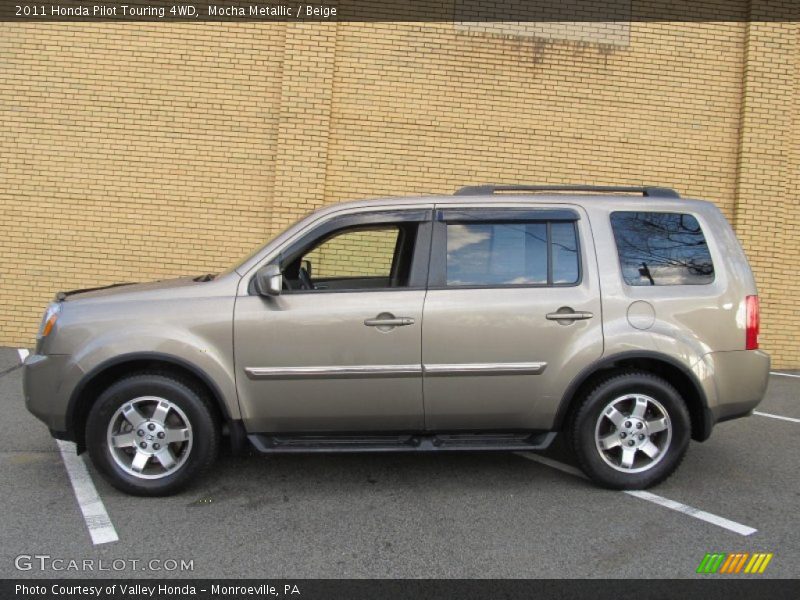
[(661, 249), (514, 253)]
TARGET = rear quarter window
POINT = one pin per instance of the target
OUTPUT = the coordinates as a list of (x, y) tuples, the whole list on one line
[(658, 248)]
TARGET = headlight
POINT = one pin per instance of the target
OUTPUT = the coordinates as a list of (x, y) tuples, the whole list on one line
[(50, 318)]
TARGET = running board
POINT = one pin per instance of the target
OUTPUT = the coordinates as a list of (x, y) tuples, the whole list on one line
[(406, 442)]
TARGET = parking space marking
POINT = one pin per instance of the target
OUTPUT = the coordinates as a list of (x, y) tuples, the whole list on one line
[(549, 462), (784, 374), (23, 354), (94, 511), (771, 416), (693, 512), (650, 497)]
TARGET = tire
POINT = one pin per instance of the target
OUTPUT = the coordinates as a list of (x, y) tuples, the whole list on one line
[(151, 434), (617, 448)]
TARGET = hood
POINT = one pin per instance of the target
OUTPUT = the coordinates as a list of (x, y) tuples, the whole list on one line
[(116, 289)]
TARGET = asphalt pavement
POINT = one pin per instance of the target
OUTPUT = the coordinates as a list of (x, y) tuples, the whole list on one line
[(475, 515)]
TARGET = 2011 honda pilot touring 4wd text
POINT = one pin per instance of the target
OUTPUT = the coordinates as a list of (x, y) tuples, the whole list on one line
[(494, 319)]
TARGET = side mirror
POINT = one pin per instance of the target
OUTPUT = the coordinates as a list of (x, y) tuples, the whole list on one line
[(269, 280)]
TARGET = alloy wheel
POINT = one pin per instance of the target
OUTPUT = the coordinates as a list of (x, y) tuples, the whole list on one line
[(149, 437), (633, 433)]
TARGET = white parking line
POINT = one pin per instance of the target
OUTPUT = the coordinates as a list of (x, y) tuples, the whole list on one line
[(693, 512), (549, 462), (784, 374), (771, 416), (94, 511), (650, 497), (23, 354)]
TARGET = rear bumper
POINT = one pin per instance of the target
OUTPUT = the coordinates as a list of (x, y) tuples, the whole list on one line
[(740, 381)]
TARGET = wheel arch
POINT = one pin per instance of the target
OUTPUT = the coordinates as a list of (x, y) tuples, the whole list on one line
[(101, 376), (676, 373)]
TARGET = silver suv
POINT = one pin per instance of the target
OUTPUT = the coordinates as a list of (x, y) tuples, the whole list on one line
[(493, 319)]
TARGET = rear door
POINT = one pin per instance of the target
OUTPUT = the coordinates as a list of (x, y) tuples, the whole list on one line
[(512, 314)]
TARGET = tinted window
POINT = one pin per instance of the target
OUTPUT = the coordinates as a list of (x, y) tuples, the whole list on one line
[(511, 253), (661, 249), (565, 253)]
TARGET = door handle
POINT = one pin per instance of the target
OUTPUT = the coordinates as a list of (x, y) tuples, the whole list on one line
[(569, 316), (389, 321)]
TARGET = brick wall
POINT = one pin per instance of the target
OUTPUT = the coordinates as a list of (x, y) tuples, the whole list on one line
[(129, 153), (355, 254), (768, 186), (142, 151)]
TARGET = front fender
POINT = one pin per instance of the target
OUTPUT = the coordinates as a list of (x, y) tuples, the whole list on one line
[(208, 361)]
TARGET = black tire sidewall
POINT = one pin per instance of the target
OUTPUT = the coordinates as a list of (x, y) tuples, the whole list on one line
[(204, 432), (583, 430)]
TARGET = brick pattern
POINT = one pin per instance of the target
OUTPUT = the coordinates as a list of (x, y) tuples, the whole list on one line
[(304, 124), (767, 217), (130, 154), (415, 115), (150, 150), (355, 254)]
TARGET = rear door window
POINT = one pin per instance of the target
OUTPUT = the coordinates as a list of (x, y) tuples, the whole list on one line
[(513, 253), (658, 248)]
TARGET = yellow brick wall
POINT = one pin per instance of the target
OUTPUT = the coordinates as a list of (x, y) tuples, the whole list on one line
[(768, 188), (142, 151), (129, 153), (355, 254)]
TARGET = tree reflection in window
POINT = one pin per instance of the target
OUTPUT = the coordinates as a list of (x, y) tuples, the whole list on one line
[(662, 249)]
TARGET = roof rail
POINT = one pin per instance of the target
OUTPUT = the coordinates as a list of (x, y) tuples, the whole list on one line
[(489, 189)]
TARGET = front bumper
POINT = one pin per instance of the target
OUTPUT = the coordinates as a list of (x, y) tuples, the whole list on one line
[(45, 397)]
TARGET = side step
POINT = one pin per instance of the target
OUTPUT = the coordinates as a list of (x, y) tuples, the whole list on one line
[(402, 442)]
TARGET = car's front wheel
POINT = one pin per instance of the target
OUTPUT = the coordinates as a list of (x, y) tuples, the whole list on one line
[(631, 431), (150, 434)]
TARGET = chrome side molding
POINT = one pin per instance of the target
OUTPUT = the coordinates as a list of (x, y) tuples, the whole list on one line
[(333, 372), (437, 370), (527, 368)]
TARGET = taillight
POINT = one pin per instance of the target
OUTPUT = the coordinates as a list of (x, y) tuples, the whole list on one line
[(753, 323)]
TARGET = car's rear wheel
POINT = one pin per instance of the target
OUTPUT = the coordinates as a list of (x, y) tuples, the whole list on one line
[(150, 434), (631, 431)]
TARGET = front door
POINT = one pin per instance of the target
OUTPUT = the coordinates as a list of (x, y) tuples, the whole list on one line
[(511, 316), (340, 349)]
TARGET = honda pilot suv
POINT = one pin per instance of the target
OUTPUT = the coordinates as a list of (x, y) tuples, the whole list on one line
[(494, 319)]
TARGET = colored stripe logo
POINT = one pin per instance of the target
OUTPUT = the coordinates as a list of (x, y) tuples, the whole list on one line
[(733, 563)]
